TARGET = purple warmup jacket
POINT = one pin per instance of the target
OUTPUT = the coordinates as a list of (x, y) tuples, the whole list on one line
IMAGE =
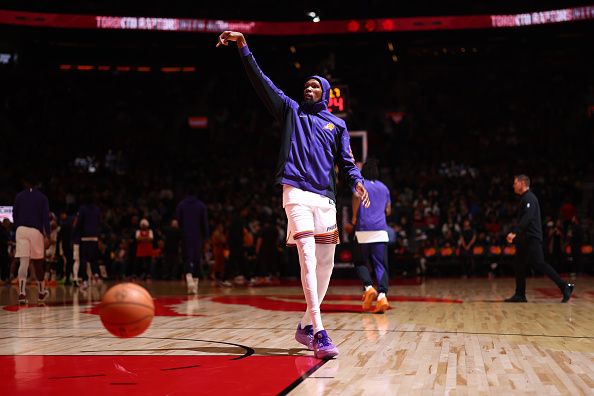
[(193, 220), (31, 209), (373, 218), (313, 139), (88, 222)]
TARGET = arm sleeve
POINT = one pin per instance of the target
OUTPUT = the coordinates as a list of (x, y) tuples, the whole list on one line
[(347, 161), (274, 99)]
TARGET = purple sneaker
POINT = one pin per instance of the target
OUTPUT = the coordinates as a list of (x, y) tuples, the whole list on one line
[(304, 336), (323, 347)]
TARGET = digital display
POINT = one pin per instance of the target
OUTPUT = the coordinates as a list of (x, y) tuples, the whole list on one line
[(274, 28), (6, 213), (339, 99)]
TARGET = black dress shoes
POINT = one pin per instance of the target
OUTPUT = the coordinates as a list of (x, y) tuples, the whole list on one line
[(567, 291), (516, 299)]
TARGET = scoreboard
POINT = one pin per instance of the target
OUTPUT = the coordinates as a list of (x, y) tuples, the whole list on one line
[(339, 100)]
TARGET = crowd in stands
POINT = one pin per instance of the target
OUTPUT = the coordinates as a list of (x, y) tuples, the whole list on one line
[(448, 158)]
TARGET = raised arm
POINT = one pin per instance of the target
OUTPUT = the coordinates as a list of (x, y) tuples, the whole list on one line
[(274, 99)]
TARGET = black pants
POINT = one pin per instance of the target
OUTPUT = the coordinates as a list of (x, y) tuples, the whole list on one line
[(89, 253), (530, 252), (68, 263), (374, 254), (4, 266)]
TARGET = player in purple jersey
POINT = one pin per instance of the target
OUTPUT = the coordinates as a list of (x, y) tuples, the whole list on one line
[(313, 141), (31, 220), (372, 236)]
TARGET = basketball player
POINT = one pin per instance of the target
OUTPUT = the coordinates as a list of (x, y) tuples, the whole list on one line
[(193, 220), (528, 238), (372, 236), (88, 225), (31, 220), (312, 141), (76, 282)]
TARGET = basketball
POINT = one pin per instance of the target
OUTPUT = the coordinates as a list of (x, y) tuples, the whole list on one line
[(127, 310)]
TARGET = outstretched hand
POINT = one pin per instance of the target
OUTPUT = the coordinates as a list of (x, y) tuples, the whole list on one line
[(228, 35), (363, 194)]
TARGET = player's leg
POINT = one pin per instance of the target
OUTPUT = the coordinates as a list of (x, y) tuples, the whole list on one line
[(75, 263), (369, 292), (326, 238), (38, 259), (301, 232), (23, 253), (39, 266), (83, 276), (192, 257), (379, 262)]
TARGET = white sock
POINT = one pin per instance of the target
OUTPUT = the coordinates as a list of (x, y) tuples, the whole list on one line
[(324, 266), (23, 287), (22, 274), (307, 261), (380, 296), (368, 287), (75, 268)]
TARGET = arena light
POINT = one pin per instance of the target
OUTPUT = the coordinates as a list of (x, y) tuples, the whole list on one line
[(5, 58), (169, 69), (314, 16), (198, 122)]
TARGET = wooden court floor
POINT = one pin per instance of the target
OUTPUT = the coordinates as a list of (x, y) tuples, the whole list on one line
[(441, 337)]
